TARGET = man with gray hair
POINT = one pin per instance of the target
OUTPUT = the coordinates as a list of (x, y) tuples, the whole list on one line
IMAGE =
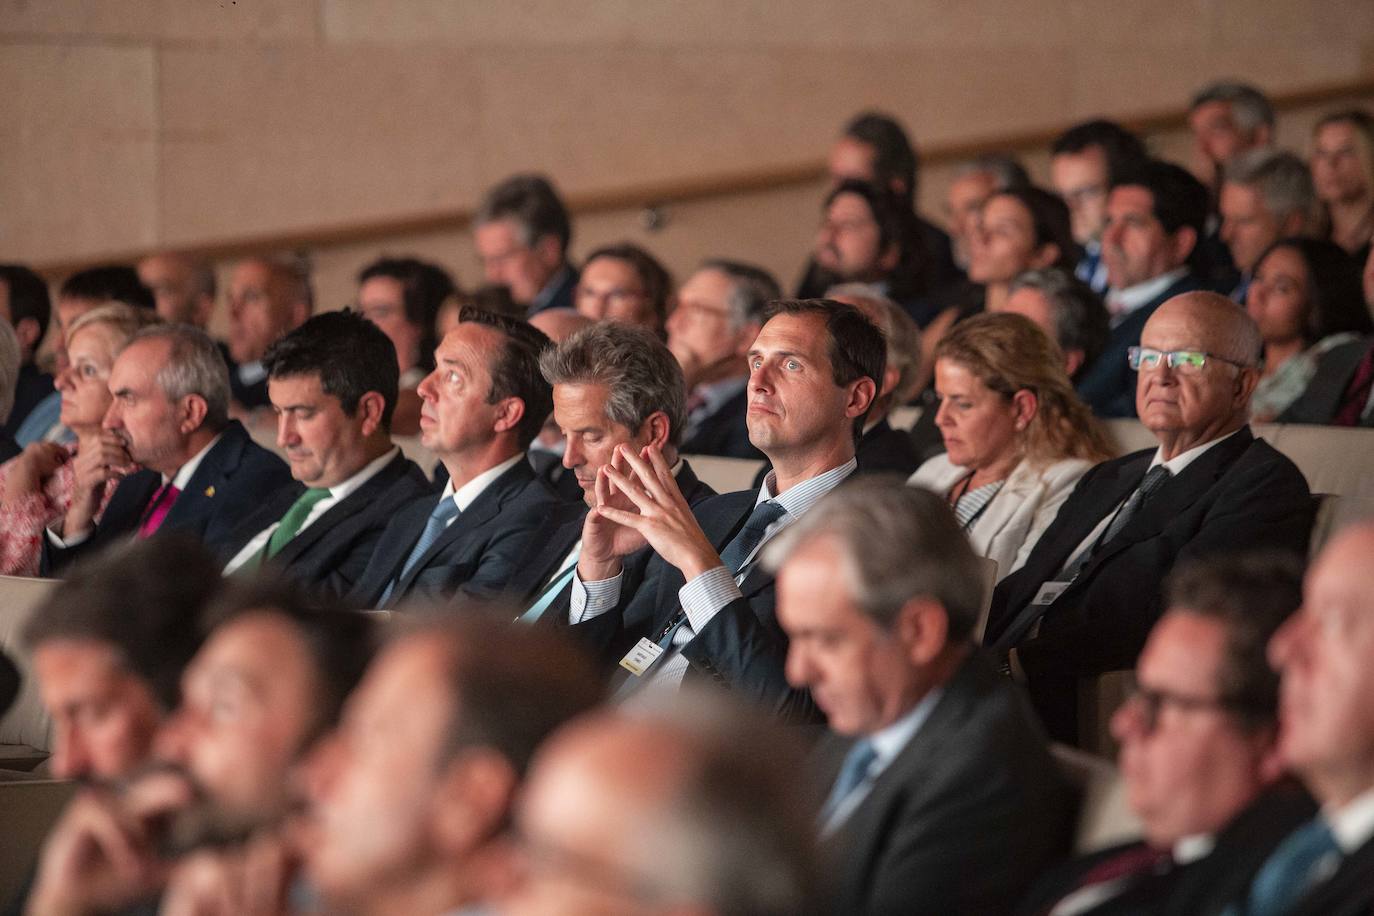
[(1227, 119), (182, 463), (718, 315), (944, 796), (613, 384), (522, 231), (1066, 309), (1266, 195), (974, 182)]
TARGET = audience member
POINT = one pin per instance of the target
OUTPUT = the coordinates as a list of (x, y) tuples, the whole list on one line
[(1325, 737), (109, 646), (1156, 213), (521, 231), (678, 812), (558, 324), (1081, 605), (1266, 195), (1199, 759), (402, 297), (1343, 173), (947, 800), (719, 312), (484, 403), (266, 299), (80, 293), (182, 464), (1227, 119), (867, 236), (613, 385), (882, 448), (1306, 299), (39, 485), (1066, 309), (973, 183), (489, 298), (183, 287), (624, 283), (9, 381), (25, 307), (1019, 229), (408, 801), (1017, 439), (1084, 161), (546, 451), (705, 608), (332, 382)]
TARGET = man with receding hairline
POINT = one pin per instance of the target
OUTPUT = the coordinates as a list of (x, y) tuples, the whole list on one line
[(266, 299), (1085, 600)]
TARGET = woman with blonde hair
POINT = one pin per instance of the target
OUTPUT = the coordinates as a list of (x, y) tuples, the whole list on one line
[(37, 484), (1017, 438)]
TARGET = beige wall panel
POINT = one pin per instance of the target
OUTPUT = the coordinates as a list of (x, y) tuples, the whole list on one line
[(78, 158), (174, 20)]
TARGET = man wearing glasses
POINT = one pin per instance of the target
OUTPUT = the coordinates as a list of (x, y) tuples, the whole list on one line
[(1089, 593)]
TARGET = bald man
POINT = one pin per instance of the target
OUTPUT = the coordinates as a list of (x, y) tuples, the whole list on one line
[(1088, 595)]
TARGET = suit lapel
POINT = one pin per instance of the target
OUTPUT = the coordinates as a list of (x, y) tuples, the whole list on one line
[(129, 501), (197, 501), (352, 504)]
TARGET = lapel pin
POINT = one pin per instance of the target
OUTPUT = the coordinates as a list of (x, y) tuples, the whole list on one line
[(210, 491)]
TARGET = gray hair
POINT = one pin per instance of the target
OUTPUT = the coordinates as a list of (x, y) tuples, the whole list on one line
[(194, 366), (1006, 171), (1250, 107), (639, 372), (902, 335), (1080, 318), (9, 369), (1281, 178), (751, 288), (898, 543)]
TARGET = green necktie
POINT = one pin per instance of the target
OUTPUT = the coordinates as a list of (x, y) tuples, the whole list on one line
[(291, 522)]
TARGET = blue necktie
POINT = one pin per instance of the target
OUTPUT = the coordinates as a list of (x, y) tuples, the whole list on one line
[(443, 513), (550, 592), (852, 774), (1291, 870), (748, 537)]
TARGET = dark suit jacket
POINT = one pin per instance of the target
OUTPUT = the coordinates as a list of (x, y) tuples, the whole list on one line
[(32, 386), (249, 396), (966, 815), (8, 448), (1349, 892), (332, 553), (884, 449), (227, 486), (724, 433), (476, 554), (562, 295), (1108, 384), (1322, 398), (1241, 494)]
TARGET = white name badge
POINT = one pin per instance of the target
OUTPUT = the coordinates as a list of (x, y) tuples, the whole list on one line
[(641, 657), (1048, 593)]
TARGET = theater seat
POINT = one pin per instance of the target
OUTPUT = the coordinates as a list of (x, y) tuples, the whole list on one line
[(31, 807), (1104, 819), (24, 741), (1335, 512)]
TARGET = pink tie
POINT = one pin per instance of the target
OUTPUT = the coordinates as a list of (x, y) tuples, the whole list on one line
[(161, 505)]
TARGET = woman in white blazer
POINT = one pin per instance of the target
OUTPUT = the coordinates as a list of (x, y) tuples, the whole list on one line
[(1017, 437)]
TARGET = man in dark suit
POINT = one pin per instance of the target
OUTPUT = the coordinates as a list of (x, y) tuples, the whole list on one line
[(1326, 866), (613, 384), (1083, 602), (483, 404), (522, 231), (185, 465), (944, 796), (1199, 751), (705, 609), (333, 384), (1156, 213), (718, 315)]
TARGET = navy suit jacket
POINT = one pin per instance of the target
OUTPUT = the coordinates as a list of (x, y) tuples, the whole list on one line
[(226, 487), (725, 432), (884, 449), (1241, 494), (562, 295), (475, 555), (966, 815), (1108, 385), (331, 554)]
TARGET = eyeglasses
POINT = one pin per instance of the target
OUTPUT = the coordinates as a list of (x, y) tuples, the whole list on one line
[(1187, 362), (1151, 702)]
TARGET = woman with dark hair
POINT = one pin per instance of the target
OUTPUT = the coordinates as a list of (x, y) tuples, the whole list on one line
[(1307, 300), (1019, 229)]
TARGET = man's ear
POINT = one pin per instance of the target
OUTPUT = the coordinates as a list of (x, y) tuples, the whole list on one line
[(656, 429), (471, 801), (1183, 241), (509, 413), (862, 394), (1246, 382), (371, 406), (191, 412), (890, 256), (923, 628)]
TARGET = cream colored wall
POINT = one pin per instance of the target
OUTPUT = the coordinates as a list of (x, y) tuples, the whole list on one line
[(136, 123)]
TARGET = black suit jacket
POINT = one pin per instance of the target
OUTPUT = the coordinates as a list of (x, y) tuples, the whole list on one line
[(227, 486), (1108, 384), (476, 554), (884, 449), (32, 386), (562, 294), (724, 433), (1241, 494), (331, 554), (1349, 892), (964, 818)]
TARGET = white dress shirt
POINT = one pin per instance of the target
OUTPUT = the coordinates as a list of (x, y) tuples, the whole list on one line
[(1122, 302)]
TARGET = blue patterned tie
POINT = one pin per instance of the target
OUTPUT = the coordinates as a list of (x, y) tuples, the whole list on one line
[(852, 774), (1291, 870), (748, 537), (443, 513)]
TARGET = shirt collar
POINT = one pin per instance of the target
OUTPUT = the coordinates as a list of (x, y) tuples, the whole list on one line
[(1192, 848), (184, 473), (341, 490), (1133, 297), (1176, 464), (889, 740), (467, 494), (1353, 824), (802, 496)]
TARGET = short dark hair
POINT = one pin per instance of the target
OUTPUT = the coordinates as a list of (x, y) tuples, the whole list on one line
[(896, 226), (1335, 294), (515, 372), (117, 283), (1251, 595), (854, 344), (1121, 147), (894, 158), (28, 296), (339, 641), (1050, 220), (532, 203), (141, 598), (424, 287), (653, 276), (1178, 199), (350, 354)]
